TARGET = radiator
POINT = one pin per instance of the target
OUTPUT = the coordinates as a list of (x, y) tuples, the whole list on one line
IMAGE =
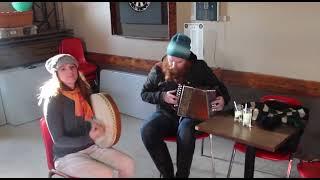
[(19, 88), (125, 89)]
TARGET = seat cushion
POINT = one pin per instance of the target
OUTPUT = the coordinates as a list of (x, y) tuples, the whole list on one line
[(309, 169), (283, 99)]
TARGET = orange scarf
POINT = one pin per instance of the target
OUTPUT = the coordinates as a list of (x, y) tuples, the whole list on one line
[(82, 107)]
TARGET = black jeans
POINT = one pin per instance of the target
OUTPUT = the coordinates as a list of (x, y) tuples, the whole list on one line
[(159, 126)]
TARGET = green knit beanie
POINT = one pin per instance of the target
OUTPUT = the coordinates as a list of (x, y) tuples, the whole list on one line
[(179, 46)]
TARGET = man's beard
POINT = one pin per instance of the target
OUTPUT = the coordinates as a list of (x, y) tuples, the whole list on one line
[(173, 74)]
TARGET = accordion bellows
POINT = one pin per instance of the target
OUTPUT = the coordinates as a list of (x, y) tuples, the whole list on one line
[(106, 113), (194, 102)]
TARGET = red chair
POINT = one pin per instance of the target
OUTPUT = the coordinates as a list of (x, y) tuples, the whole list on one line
[(73, 46), (284, 99), (47, 140), (201, 136), (273, 156), (309, 169)]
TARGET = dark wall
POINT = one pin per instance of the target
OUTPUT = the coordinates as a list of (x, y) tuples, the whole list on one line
[(23, 51)]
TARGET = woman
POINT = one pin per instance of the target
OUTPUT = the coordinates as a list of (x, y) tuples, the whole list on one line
[(69, 118)]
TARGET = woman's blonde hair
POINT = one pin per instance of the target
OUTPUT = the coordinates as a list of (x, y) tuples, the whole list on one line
[(51, 87)]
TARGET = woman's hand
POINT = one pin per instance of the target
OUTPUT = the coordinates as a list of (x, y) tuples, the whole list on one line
[(170, 98), (218, 104), (96, 130)]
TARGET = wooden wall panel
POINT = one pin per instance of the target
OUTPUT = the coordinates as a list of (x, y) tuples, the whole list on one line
[(230, 77), (272, 83), (172, 19), (121, 62), (26, 50)]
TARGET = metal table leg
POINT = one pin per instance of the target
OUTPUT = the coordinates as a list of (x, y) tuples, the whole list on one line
[(249, 162), (212, 157)]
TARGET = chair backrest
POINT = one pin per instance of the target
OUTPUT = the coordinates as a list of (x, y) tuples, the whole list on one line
[(47, 140), (283, 99), (73, 46)]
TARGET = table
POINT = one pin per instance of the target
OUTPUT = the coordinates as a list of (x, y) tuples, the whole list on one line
[(223, 125)]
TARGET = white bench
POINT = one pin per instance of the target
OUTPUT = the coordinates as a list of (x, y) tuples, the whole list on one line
[(125, 89)]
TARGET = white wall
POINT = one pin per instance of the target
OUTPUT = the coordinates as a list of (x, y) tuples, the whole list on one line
[(275, 38), (128, 99), (91, 21)]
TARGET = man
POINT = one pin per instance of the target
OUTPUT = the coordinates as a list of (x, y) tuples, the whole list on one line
[(179, 66)]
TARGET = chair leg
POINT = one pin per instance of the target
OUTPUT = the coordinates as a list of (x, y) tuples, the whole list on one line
[(289, 167), (231, 162), (50, 174), (202, 149), (212, 157), (95, 81), (202, 144)]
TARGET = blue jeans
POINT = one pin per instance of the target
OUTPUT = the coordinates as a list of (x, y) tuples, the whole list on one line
[(159, 126)]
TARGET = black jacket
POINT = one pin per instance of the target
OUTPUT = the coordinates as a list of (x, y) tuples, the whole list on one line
[(199, 75)]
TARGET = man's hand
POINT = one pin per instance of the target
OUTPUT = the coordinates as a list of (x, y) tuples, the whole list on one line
[(170, 98), (96, 130), (218, 104)]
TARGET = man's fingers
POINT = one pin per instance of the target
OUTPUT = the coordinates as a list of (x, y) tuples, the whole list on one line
[(173, 101), (215, 102), (171, 96), (172, 91)]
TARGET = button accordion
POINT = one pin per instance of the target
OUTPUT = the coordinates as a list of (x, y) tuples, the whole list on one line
[(194, 102)]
